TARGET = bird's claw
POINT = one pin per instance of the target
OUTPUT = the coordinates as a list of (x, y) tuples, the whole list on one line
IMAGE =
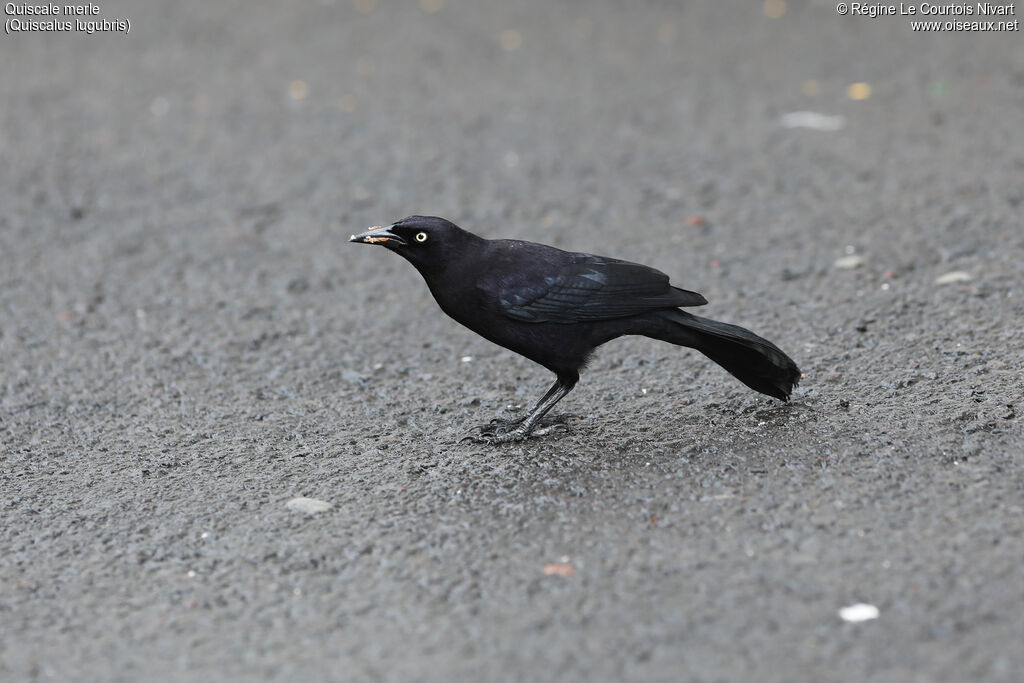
[(500, 430), (502, 423), (551, 429), (490, 438)]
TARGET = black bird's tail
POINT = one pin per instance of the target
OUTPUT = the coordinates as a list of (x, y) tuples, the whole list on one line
[(751, 359)]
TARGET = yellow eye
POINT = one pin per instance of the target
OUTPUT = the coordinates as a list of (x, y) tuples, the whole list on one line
[(421, 237)]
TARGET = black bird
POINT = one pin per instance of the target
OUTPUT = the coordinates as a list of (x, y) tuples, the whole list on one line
[(555, 307)]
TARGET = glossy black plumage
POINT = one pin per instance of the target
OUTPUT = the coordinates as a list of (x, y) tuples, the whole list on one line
[(555, 307)]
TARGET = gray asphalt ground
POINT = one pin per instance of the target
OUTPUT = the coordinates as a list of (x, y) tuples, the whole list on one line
[(188, 342)]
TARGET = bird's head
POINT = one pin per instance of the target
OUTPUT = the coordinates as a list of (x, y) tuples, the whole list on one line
[(427, 242)]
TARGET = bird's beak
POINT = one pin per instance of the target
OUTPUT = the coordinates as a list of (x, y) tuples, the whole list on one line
[(378, 234)]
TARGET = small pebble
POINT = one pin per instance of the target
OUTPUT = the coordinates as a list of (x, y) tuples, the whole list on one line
[(310, 506), (351, 376), (858, 91), (859, 612), (850, 262), (812, 120), (954, 276), (559, 569)]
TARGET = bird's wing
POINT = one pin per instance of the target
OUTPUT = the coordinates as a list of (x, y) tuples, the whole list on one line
[(593, 288)]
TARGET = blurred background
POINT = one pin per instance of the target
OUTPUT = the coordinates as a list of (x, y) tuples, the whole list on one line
[(188, 341)]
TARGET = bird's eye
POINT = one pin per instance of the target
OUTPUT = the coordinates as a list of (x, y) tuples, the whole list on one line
[(421, 237)]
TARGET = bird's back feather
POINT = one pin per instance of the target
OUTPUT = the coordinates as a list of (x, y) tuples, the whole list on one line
[(575, 287)]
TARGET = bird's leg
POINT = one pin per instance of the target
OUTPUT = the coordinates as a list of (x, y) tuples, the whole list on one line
[(543, 426), (499, 424), (517, 430)]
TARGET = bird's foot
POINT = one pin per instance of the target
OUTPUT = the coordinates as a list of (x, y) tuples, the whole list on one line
[(501, 424), (491, 436), (500, 430)]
